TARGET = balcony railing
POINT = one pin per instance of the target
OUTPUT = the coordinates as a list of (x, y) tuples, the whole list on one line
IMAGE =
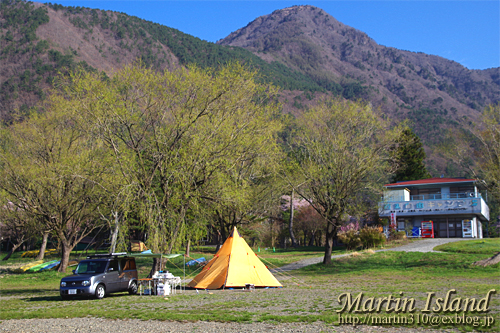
[(449, 196)]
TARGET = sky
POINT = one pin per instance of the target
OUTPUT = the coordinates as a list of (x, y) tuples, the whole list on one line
[(466, 31)]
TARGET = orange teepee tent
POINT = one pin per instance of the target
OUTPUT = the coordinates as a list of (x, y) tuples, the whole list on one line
[(234, 265)]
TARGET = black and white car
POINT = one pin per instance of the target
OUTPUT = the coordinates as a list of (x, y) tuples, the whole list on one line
[(100, 275)]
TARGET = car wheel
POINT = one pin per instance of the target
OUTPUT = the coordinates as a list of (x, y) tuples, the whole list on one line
[(133, 288), (100, 291)]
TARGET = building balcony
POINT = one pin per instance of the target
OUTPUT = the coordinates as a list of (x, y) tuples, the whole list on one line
[(465, 195), (432, 205)]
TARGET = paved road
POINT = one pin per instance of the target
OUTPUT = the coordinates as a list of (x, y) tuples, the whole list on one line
[(424, 245)]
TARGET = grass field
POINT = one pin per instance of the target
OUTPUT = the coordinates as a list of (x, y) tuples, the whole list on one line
[(308, 295), (484, 246)]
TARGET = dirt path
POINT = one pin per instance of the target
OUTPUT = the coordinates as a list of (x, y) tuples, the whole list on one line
[(424, 245)]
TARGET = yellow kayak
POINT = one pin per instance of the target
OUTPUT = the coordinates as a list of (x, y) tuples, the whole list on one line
[(34, 253), (28, 266)]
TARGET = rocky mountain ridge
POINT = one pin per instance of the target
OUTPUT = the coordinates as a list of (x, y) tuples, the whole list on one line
[(433, 92)]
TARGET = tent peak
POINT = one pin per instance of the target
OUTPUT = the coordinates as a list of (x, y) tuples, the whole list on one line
[(235, 232)]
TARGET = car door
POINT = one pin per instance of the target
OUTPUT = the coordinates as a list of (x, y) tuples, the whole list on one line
[(112, 277), (124, 274)]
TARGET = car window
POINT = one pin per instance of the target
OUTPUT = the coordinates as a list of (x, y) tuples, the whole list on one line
[(131, 264), (127, 264), (91, 267), (114, 265)]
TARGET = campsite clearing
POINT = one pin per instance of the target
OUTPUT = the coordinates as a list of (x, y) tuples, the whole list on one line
[(309, 295)]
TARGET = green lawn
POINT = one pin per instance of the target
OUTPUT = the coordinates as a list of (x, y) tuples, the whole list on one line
[(484, 246)]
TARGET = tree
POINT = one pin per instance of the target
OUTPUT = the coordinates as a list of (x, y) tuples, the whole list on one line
[(249, 199), (17, 224), (310, 222), (408, 157), (489, 155), (175, 136), (341, 150), (51, 172), (290, 222)]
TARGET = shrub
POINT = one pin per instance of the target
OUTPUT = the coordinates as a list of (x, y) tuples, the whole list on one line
[(350, 238), (397, 235), (349, 235), (401, 235), (371, 237)]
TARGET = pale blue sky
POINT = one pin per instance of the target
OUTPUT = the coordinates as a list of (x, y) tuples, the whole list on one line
[(467, 32)]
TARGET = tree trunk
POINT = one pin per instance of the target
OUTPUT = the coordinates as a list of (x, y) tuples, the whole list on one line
[(328, 249), (14, 248), (311, 240), (319, 238), (221, 233), (331, 232), (66, 251), (176, 230), (188, 247), (156, 267), (45, 238), (290, 222), (114, 236), (271, 225)]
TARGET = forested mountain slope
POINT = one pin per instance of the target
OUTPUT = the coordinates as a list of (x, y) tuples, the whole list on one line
[(302, 49), (39, 42)]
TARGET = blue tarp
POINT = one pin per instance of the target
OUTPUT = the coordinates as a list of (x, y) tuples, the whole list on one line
[(196, 261)]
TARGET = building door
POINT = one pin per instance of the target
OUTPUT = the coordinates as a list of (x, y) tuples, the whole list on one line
[(447, 227), (455, 228), (441, 230)]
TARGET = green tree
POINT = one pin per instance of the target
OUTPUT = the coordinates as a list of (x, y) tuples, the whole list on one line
[(52, 172), (489, 159), (341, 150), (408, 157), (176, 136)]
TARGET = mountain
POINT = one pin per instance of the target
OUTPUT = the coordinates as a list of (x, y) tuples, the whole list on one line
[(302, 49), (433, 92), (40, 42)]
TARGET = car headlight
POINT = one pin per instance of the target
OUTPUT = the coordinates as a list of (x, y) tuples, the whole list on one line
[(63, 284), (86, 283)]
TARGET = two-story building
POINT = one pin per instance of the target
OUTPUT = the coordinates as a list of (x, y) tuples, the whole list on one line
[(454, 205)]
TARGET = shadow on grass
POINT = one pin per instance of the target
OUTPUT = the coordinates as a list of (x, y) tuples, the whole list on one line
[(43, 299), (25, 292), (58, 298)]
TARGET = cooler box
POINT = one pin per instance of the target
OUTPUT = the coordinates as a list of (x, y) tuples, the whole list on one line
[(163, 289)]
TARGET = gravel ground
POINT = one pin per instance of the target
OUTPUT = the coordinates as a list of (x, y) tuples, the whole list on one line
[(97, 325)]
